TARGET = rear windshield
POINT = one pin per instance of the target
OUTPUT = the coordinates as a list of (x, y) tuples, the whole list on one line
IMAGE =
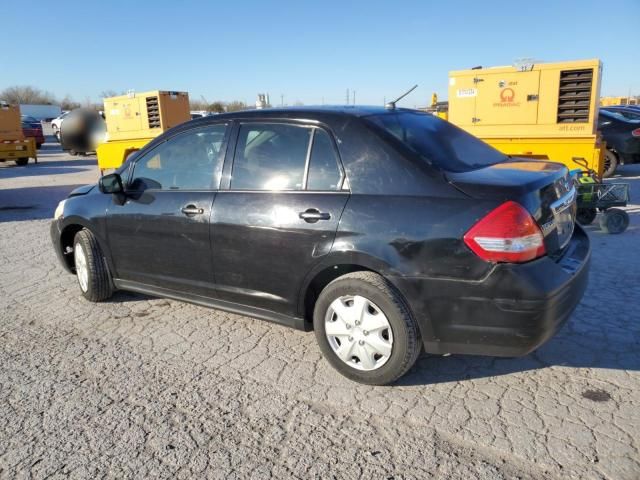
[(438, 142)]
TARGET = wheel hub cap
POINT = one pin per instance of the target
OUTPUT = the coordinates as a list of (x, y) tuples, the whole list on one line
[(358, 332)]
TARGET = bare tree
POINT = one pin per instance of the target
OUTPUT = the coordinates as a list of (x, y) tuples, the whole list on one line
[(67, 103), (216, 107), (111, 93), (236, 106), (25, 94), (197, 104)]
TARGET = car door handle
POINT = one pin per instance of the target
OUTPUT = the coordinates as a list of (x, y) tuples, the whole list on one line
[(192, 210), (312, 215)]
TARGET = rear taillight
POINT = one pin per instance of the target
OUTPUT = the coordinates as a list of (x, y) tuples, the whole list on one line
[(507, 234), (636, 132)]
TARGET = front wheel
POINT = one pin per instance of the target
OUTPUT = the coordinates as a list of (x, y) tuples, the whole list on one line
[(91, 267), (365, 330)]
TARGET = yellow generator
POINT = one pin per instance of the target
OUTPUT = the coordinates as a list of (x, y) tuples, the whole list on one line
[(13, 145), (613, 101), (135, 119), (543, 111)]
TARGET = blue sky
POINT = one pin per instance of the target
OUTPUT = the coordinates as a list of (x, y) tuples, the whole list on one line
[(309, 51)]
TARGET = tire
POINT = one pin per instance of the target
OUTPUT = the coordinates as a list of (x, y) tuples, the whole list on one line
[(401, 337), (21, 161), (586, 216), (92, 273), (39, 146), (614, 221), (610, 163)]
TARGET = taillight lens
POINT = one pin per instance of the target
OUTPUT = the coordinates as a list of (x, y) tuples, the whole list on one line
[(636, 132), (507, 234)]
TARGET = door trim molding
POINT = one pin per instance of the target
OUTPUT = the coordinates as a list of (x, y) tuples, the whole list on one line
[(289, 321)]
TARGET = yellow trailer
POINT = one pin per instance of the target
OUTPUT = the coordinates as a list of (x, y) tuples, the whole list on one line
[(544, 111), (13, 145), (134, 120)]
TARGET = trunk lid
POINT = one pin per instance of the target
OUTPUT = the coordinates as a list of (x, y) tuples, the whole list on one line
[(545, 189)]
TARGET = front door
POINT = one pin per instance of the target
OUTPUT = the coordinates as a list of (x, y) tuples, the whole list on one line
[(279, 216), (160, 236)]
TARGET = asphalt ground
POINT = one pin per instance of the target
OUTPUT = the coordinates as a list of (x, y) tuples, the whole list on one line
[(140, 387)]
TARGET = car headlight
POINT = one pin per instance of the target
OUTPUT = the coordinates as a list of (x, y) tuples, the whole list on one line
[(59, 210)]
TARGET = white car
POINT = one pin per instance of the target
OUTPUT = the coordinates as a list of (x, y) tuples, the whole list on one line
[(56, 122)]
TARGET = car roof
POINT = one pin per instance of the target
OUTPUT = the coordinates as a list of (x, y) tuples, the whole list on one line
[(336, 110)]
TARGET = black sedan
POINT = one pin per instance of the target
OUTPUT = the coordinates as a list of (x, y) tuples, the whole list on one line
[(622, 134), (384, 230)]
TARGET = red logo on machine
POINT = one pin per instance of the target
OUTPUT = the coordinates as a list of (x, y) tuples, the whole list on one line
[(507, 98), (507, 95)]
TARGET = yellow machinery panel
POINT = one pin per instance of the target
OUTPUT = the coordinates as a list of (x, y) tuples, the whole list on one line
[(614, 101), (133, 120), (13, 145), (547, 99), (145, 115), (10, 123), (545, 110)]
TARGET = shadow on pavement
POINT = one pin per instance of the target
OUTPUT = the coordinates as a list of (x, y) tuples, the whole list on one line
[(32, 203), (59, 167)]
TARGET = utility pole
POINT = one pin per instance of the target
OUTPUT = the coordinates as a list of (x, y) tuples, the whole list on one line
[(281, 100), (354, 97), (347, 97)]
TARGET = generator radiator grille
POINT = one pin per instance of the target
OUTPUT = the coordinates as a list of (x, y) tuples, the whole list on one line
[(153, 112), (575, 96)]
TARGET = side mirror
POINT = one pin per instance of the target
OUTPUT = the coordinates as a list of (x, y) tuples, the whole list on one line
[(111, 183)]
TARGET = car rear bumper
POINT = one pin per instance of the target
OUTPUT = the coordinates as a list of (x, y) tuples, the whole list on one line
[(510, 312)]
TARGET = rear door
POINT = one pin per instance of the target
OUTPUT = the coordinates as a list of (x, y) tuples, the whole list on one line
[(160, 236), (280, 213)]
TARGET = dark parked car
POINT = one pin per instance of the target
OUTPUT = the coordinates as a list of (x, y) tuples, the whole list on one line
[(385, 231), (622, 134), (630, 112), (32, 128)]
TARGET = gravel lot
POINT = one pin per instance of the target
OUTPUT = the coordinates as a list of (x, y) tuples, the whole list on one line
[(140, 387)]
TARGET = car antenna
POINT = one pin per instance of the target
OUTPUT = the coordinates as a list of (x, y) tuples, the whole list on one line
[(392, 105)]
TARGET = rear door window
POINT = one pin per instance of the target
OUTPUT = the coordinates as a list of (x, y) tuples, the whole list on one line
[(270, 156), (324, 171)]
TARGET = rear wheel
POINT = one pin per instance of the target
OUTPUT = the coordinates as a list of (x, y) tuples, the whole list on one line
[(91, 268), (610, 163), (586, 216), (365, 330), (614, 221), (21, 161)]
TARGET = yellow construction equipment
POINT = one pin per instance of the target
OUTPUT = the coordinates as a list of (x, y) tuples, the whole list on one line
[(611, 101), (543, 111), (135, 119), (13, 145)]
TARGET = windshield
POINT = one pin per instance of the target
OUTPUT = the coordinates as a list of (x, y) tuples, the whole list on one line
[(438, 142)]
